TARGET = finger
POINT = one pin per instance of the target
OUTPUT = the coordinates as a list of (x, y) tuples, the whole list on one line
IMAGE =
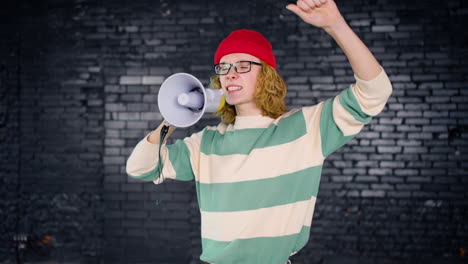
[(310, 3), (323, 1), (296, 10), (303, 6), (317, 3)]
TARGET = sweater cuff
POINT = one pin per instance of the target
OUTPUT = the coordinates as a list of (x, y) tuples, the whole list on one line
[(378, 87), (373, 94), (143, 158)]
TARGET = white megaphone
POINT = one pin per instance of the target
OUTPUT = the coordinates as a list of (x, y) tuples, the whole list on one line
[(182, 100)]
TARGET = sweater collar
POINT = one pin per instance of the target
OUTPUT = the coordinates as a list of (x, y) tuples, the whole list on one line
[(256, 121)]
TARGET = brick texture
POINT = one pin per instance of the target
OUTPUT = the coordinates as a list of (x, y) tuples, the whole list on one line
[(78, 89)]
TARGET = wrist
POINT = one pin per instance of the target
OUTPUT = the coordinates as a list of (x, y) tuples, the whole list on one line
[(338, 26)]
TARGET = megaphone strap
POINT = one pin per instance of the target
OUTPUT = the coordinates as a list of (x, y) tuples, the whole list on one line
[(163, 134)]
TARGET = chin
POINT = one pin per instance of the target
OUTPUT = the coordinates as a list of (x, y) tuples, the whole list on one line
[(229, 102)]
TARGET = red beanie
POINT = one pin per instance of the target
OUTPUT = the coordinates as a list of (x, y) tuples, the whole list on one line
[(246, 41)]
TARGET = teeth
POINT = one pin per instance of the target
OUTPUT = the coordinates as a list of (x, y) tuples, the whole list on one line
[(234, 88)]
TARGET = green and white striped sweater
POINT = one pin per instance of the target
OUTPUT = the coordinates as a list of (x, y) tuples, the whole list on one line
[(257, 180)]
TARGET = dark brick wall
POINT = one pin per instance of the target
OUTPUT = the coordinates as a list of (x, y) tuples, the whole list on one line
[(79, 83), (53, 136), (9, 127)]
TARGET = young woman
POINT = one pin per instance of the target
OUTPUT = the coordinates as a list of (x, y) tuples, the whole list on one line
[(257, 173)]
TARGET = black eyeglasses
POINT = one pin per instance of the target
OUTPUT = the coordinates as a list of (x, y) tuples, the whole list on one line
[(239, 67)]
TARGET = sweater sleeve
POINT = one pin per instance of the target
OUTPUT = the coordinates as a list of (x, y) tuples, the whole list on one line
[(344, 116), (179, 160)]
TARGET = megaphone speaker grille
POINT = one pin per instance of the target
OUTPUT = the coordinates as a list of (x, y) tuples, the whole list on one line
[(182, 99), (176, 114)]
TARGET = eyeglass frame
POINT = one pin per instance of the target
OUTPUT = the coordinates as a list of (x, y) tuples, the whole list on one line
[(235, 67)]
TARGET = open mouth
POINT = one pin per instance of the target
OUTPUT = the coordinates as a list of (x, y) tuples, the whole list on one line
[(233, 88)]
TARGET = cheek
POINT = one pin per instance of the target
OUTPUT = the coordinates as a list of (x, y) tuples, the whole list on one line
[(252, 84), (222, 82)]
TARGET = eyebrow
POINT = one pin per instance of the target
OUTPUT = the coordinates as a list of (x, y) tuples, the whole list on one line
[(240, 61), (228, 62)]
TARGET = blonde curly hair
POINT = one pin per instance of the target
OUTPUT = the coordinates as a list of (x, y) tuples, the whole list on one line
[(270, 91)]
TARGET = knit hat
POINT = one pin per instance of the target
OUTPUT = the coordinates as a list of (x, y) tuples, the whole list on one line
[(246, 41)]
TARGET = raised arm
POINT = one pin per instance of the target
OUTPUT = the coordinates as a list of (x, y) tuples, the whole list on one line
[(343, 116), (325, 14)]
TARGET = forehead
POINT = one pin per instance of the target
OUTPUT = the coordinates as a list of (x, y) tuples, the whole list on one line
[(235, 57)]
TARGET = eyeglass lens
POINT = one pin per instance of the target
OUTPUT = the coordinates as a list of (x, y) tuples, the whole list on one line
[(239, 67)]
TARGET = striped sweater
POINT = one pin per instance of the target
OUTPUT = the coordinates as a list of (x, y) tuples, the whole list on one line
[(257, 180)]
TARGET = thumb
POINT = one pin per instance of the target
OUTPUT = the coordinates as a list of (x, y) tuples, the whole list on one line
[(296, 10)]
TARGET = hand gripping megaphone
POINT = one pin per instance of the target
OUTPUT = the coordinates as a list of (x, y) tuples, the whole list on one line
[(182, 100)]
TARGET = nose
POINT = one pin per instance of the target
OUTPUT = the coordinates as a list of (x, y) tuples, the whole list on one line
[(232, 74)]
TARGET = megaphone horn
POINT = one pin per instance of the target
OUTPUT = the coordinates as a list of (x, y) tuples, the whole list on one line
[(182, 99)]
